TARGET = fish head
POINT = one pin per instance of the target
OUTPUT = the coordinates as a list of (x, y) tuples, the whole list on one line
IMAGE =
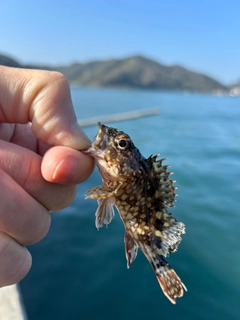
[(115, 154)]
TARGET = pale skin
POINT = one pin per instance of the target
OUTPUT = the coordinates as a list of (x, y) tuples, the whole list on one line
[(40, 162)]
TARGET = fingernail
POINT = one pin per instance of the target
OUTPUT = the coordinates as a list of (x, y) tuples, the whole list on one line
[(65, 170)]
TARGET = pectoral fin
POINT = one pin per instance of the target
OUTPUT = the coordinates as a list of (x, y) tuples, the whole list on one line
[(131, 249), (105, 212), (101, 192)]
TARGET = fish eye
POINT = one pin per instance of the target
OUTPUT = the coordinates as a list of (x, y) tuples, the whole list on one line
[(122, 143)]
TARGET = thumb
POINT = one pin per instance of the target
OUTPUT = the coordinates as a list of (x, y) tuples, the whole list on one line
[(42, 98)]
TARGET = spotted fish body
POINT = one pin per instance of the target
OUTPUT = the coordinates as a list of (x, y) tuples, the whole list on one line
[(141, 191)]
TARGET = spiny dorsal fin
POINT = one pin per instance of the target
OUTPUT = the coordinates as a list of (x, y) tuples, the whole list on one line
[(165, 185)]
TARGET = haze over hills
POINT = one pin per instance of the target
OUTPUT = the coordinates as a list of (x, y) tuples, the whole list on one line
[(131, 72)]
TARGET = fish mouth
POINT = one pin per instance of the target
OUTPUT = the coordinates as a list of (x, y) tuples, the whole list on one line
[(100, 142)]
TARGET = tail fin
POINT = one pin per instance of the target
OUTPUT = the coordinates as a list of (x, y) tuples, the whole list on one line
[(170, 283)]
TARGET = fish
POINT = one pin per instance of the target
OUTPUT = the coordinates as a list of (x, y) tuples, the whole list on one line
[(142, 192)]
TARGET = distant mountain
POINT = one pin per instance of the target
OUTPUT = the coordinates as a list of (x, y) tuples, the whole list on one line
[(234, 89), (10, 62), (7, 61), (132, 72), (236, 84)]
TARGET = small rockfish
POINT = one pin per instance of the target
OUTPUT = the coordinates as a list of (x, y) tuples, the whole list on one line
[(141, 191)]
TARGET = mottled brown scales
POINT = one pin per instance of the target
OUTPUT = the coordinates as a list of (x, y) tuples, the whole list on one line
[(141, 191)]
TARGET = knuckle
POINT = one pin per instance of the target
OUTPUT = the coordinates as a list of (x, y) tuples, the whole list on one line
[(60, 79), (64, 198), (40, 231), (16, 261)]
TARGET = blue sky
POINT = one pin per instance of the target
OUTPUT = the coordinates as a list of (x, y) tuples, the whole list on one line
[(202, 35)]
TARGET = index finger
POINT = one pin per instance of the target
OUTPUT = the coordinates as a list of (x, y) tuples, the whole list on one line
[(42, 98)]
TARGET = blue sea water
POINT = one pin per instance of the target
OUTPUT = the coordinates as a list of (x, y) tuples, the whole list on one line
[(80, 273)]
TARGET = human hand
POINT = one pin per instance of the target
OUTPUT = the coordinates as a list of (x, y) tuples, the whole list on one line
[(40, 164)]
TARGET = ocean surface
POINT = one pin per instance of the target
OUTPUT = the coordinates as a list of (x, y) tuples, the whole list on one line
[(80, 273)]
